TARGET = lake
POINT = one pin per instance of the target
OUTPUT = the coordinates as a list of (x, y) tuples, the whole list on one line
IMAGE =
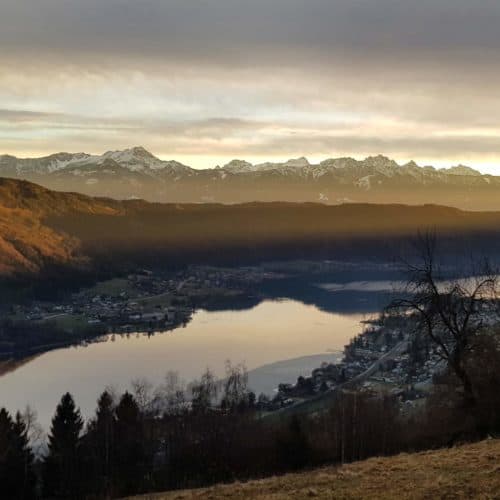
[(270, 332)]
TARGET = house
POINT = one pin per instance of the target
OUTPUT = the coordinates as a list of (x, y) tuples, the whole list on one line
[(154, 316)]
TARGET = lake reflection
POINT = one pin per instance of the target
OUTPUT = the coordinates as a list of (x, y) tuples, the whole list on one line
[(270, 332)]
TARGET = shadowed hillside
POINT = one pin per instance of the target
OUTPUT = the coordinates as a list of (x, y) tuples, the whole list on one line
[(40, 228)]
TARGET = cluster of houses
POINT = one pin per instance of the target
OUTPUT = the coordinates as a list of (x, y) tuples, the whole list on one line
[(131, 308), (377, 359)]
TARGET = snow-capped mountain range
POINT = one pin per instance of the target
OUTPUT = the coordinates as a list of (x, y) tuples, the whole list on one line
[(136, 173), (135, 159)]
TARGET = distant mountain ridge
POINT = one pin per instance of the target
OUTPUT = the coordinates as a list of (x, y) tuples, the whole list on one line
[(136, 173)]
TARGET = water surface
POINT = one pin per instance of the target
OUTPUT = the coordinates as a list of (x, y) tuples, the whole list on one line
[(261, 336)]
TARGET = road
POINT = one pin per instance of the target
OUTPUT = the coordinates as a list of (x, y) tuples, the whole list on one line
[(306, 405), (52, 316), (395, 351)]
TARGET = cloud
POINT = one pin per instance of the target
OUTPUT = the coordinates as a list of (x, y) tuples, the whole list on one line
[(221, 139), (229, 31), (215, 78)]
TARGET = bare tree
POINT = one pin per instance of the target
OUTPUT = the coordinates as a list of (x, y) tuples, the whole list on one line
[(142, 390), (204, 392), (34, 430), (450, 312), (236, 393), (170, 397)]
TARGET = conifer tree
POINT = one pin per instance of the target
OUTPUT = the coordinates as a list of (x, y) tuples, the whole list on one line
[(129, 445), (6, 451), (100, 443), (17, 479), (23, 459), (61, 472)]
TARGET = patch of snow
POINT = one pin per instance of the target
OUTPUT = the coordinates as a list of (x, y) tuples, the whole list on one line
[(364, 182), (238, 166), (461, 170)]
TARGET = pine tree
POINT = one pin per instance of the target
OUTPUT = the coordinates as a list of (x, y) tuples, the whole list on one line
[(6, 450), (61, 472), (24, 459), (17, 479), (100, 445), (129, 445)]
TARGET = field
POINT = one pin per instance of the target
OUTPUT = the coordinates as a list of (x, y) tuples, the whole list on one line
[(465, 472), (113, 287)]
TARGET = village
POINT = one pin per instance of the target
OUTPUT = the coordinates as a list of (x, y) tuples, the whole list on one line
[(388, 357), (145, 300), (378, 360), (383, 358)]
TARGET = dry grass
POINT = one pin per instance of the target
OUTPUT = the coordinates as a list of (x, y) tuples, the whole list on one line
[(469, 471)]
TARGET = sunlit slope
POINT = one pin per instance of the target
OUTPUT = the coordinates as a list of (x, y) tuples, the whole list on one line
[(466, 472), (27, 242)]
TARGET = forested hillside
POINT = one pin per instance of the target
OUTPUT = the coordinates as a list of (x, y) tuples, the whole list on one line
[(40, 228)]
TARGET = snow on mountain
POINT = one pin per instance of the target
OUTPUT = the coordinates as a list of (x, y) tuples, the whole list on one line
[(297, 162), (364, 182), (339, 163), (136, 159), (241, 166), (462, 170), (136, 172), (238, 166), (294, 163), (382, 165), (139, 160)]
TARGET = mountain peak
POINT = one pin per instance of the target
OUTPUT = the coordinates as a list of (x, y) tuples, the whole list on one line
[(297, 162), (411, 164), (137, 151), (141, 151), (379, 160), (238, 166), (136, 158), (461, 170)]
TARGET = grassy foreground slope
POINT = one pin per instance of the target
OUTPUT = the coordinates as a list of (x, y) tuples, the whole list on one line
[(468, 471)]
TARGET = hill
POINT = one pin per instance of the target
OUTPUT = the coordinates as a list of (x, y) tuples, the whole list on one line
[(40, 228), (27, 242), (466, 472), (136, 173)]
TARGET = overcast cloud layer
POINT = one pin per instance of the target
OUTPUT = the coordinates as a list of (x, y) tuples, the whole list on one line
[(204, 81)]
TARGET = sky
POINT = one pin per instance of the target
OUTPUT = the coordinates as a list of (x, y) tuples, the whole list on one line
[(206, 81)]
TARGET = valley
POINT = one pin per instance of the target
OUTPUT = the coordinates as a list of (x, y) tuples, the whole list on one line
[(244, 245), (289, 298)]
